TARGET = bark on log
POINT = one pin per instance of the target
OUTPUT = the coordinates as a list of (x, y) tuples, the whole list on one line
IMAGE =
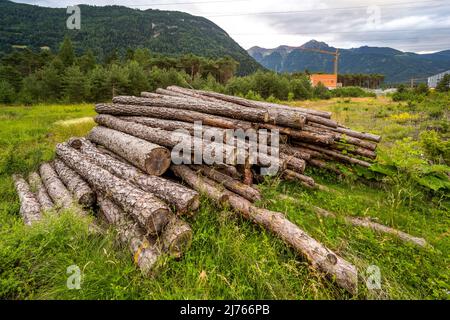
[(151, 213), (230, 171), (226, 110), (248, 103), (306, 181), (149, 157), (336, 155), (30, 208), (352, 133), (294, 151), (354, 150), (262, 159), (168, 138), (364, 222), (288, 117), (55, 187), (201, 184), (228, 182), (293, 163), (320, 129), (321, 258), (183, 199), (103, 150), (39, 190), (145, 252), (83, 194), (303, 135), (172, 114)]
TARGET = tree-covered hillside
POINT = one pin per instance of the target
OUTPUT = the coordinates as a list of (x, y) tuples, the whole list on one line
[(106, 29)]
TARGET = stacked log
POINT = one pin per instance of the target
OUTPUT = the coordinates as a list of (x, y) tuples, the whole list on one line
[(129, 165), (30, 209)]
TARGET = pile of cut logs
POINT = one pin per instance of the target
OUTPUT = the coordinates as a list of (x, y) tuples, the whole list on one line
[(124, 168)]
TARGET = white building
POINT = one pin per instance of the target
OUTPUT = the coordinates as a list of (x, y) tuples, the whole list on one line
[(434, 80)]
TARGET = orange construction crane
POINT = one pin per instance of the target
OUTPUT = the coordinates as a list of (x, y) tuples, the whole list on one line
[(335, 54)]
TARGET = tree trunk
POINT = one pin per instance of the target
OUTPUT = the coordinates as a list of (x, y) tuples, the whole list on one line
[(302, 135), (226, 110), (295, 176), (248, 103), (30, 208), (321, 258), (341, 137), (145, 252), (293, 151), (172, 114), (356, 134), (288, 117), (149, 211), (56, 188), (293, 163), (354, 150), (364, 222), (75, 184), (168, 138), (228, 182), (149, 157), (201, 184), (184, 199), (230, 171), (39, 190), (336, 155)]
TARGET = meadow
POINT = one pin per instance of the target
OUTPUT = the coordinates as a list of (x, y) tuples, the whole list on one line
[(231, 258)]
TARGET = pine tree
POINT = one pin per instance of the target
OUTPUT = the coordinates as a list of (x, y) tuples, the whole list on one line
[(75, 84), (66, 52), (99, 90), (87, 61), (444, 84), (137, 80)]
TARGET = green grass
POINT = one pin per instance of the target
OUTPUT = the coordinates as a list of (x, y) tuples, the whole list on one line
[(230, 258)]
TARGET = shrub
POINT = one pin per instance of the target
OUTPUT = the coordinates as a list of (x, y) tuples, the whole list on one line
[(353, 92), (7, 92), (321, 92)]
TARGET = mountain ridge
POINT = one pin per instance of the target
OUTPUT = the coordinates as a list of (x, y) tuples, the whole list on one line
[(396, 65)]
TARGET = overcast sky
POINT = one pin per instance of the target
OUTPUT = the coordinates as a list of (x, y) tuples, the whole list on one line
[(408, 25)]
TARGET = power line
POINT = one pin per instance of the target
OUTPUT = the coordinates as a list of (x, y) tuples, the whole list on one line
[(317, 10), (339, 32), (184, 3)]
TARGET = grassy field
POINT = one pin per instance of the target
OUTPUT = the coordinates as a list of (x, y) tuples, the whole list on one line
[(231, 258)]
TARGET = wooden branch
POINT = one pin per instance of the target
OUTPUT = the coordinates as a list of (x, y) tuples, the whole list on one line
[(364, 222), (320, 257)]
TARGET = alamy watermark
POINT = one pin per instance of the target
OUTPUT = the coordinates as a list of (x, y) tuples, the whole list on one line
[(74, 279), (73, 22)]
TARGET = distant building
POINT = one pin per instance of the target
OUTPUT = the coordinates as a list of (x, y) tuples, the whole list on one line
[(328, 80), (434, 80)]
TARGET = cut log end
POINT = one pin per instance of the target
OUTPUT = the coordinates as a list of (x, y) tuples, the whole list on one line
[(176, 237), (158, 161), (159, 219)]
